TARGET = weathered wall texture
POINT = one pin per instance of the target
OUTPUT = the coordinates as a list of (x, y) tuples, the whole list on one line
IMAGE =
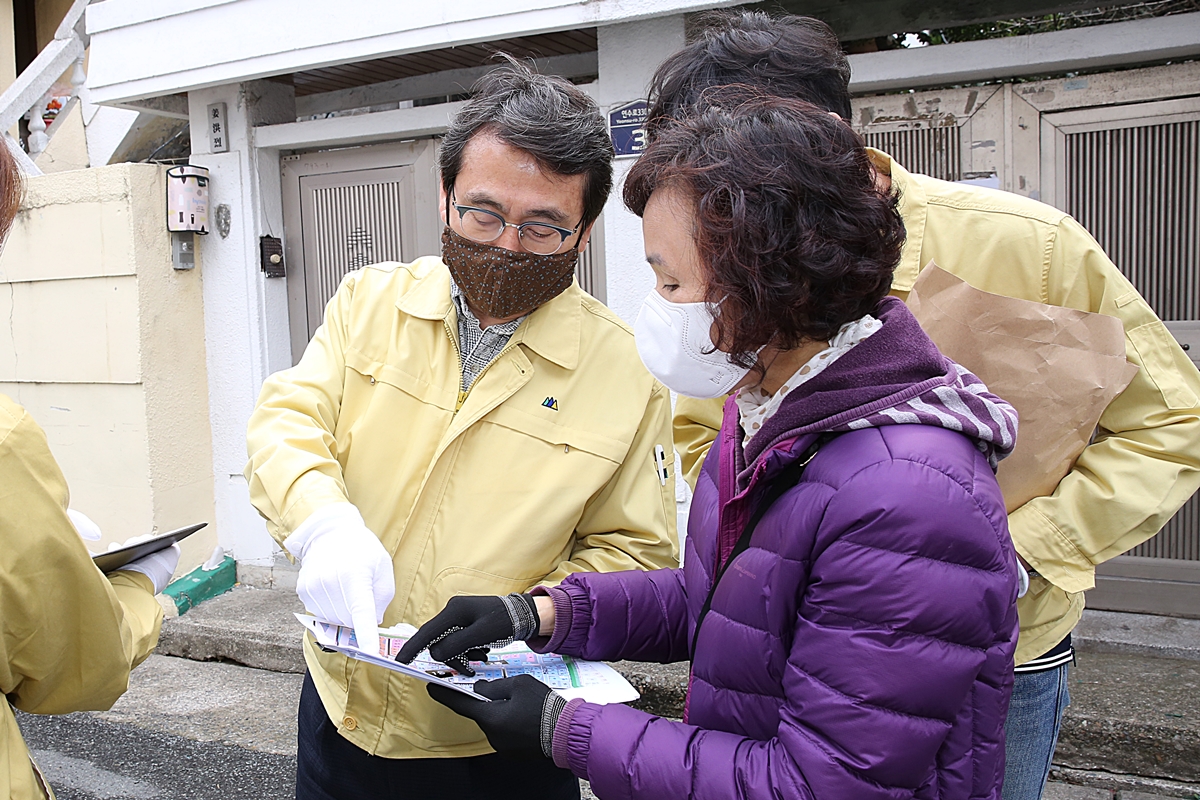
[(103, 342)]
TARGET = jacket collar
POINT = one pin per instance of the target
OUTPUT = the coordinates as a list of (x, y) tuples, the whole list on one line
[(913, 207), (552, 330)]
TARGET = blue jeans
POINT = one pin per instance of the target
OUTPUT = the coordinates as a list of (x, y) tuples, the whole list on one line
[(1031, 731)]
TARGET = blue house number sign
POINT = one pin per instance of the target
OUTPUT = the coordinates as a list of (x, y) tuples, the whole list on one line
[(626, 127)]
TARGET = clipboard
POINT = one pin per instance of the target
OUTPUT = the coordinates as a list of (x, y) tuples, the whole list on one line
[(326, 634), (113, 560)]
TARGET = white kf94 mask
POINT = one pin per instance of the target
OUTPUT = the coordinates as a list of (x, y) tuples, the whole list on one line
[(675, 343)]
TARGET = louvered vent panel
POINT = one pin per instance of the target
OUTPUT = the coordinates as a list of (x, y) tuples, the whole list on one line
[(590, 270), (353, 226), (585, 272), (1179, 539), (929, 151), (1137, 190)]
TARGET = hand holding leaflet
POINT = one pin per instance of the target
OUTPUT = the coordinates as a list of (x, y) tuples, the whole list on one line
[(520, 718), (345, 573), (469, 626), (569, 677)]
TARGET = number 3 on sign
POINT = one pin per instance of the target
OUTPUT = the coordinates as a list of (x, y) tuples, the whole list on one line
[(639, 140)]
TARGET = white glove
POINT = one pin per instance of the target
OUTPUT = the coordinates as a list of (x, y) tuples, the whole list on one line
[(87, 530), (158, 567), (1022, 579), (346, 575)]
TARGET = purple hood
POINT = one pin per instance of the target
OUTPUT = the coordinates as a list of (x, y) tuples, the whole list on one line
[(895, 377)]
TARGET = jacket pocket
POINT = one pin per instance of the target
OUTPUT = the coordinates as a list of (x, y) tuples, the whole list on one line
[(1164, 363), (372, 371), (588, 441), (454, 581)]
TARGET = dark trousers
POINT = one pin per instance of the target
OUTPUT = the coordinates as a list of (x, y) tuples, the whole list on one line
[(328, 767)]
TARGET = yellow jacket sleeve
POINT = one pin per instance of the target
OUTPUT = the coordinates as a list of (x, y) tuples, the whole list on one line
[(293, 468), (70, 636), (1145, 461), (623, 526), (696, 425)]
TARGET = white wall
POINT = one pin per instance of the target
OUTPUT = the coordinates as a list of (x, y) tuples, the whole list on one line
[(245, 324), (629, 54)]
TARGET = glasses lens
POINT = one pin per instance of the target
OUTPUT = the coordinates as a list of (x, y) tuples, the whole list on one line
[(481, 225), (540, 239)]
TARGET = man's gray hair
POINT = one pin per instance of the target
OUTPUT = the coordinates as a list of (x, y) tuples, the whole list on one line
[(544, 115)]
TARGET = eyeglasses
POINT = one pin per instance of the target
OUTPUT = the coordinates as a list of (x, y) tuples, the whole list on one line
[(485, 227)]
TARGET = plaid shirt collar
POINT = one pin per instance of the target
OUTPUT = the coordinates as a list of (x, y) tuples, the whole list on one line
[(478, 347)]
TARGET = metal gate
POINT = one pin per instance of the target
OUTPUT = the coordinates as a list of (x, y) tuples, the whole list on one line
[(345, 209), (1131, 176)]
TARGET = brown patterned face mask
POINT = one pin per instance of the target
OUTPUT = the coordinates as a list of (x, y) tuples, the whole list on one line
[(503, 283)]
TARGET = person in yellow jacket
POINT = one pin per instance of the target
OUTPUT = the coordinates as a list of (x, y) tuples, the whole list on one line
[(1145, 461), (69, 635), (470, 424)]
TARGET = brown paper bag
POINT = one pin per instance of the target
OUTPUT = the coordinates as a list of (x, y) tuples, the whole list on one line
[(1059, 367)]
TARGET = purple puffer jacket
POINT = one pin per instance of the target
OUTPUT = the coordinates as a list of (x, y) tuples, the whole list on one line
[(862, 647)]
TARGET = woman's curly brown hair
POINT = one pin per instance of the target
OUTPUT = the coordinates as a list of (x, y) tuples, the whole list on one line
[(794, 235), (12, 190)]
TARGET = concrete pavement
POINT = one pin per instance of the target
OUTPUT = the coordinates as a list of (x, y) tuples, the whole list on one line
[(183, 731), (210, 728)]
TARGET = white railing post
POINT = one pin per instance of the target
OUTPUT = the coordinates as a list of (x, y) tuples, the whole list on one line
[(29, 93), (38, 139), (78, 77)]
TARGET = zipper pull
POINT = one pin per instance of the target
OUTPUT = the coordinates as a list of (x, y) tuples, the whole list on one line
[(462, 398)]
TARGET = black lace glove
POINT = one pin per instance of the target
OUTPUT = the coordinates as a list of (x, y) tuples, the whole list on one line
[(520, 719), (468, 626)]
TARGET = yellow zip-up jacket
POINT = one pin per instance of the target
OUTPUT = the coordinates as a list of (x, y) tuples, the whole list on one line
[(69, 636), (1145, 462), (545, 467)]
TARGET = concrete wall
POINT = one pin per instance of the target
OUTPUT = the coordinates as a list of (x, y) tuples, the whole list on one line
[(105, 347)]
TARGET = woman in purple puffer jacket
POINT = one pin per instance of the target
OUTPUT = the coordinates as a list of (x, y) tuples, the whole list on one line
[(860, 638)]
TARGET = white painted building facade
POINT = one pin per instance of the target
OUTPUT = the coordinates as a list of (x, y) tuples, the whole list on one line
[(192, 54)]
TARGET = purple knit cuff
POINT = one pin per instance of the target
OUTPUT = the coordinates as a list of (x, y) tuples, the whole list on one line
[(562, 620), (558, 749)]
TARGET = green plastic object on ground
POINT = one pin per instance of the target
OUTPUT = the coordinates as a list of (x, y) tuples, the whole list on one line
[(202, 584)]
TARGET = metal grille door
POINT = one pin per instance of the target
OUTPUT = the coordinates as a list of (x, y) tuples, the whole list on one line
[(345, 209), (354, 221), (590, 271), (1131, 176), (1137, 190)]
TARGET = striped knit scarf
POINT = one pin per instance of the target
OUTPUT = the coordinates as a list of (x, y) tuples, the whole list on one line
[(958, 401)]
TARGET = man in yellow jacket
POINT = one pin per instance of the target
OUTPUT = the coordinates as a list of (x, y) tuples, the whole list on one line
[(1145, 461), (470, 424), (69, 635)]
